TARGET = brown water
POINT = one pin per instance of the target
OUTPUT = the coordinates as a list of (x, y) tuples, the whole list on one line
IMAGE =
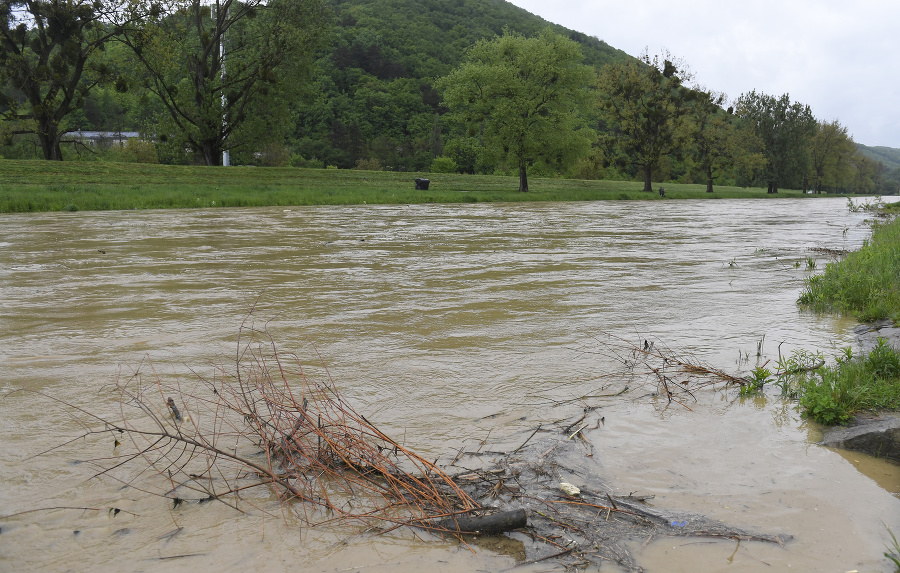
[(443, 325)]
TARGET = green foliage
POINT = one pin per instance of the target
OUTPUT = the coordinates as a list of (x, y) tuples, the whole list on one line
[(865, 284), (887, 155), (368, 165), (226, 79), (846, 355), (759, 377), (831, 151), (793, 371), (375, 91), (719, 142), (834, 393), (883, 361), (643, 106), (785, 130), (524, 94), (51, 56), (822, 402), (443, 165), (893, 550)]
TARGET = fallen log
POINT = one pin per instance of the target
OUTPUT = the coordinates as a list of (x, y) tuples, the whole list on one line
[(485, 524)]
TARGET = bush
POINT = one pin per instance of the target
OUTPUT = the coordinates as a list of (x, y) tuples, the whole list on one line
[(298, 160), (443, 165), (273, 154), (368, 164)]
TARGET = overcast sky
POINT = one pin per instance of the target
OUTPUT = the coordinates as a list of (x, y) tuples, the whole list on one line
[(841, 57)]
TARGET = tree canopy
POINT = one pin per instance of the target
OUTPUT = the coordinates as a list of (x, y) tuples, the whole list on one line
[(211, 64), (49, 60), (523, 97), (785, 129), (642, 103), (719, 143)]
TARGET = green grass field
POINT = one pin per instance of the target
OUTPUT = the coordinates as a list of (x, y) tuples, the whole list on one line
[(30, 186)]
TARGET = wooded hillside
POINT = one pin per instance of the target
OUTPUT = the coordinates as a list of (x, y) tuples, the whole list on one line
[(395, 85)]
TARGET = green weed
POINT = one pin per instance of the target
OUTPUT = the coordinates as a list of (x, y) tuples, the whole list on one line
[(893, 550), (871, 205), (832, 394), (793, 371), (759, 377)]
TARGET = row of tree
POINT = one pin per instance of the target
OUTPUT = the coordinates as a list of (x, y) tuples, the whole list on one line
[(525, 98), (213, 75), (307, 83)]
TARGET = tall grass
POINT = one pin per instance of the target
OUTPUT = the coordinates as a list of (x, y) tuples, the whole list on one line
[(865, 284)]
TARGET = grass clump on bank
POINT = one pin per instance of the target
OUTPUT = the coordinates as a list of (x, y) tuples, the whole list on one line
[(833, 394), (34, 186), (865, 284)]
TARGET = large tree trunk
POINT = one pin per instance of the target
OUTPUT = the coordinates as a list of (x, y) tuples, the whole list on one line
[(49, 136), (648, 185), (212, 154), (709, 179), (523, 177)]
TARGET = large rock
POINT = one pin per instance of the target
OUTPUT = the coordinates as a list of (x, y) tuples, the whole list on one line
[(867, 335), (877, 435)]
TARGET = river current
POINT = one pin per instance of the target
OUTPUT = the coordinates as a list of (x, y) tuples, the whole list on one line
[(446, 326)]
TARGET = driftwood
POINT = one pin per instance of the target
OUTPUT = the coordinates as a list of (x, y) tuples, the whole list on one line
[(486, 524), (266, 423)]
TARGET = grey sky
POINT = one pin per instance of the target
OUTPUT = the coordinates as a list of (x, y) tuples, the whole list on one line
[(841, 57)]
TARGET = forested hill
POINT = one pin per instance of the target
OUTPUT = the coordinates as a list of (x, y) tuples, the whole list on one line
[(375, 100), (426, 38), (887, 155)]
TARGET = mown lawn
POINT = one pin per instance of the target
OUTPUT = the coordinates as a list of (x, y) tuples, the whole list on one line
[(29, 186)]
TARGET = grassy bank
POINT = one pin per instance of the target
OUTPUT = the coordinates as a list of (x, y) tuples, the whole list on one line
[(832, 394), (29, 186), (865, 284), (854, 384)]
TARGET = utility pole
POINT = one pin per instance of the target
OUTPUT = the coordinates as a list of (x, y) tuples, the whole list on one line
[(226, 155)]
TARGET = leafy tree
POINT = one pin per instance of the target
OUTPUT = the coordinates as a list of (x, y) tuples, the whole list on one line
[(863, 175), (50, 59), (524, 96), (830, 150), (213, 64), (785, 129), (643, 107), (719, 143), (395, 48)]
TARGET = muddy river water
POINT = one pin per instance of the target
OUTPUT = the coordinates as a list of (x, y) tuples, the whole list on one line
[(446, 326)]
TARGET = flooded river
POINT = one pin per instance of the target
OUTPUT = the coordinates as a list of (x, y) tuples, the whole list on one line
[(444, 325)]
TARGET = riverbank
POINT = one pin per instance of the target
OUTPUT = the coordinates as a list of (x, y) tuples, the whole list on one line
[(865, 283), (861, 393), (35, 186)]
